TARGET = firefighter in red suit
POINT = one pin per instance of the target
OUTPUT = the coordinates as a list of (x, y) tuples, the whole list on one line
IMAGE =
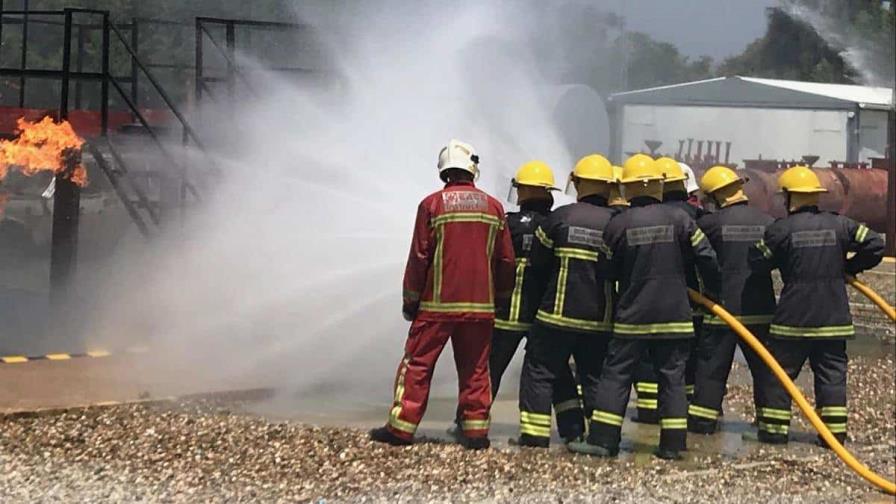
[(461, 263)]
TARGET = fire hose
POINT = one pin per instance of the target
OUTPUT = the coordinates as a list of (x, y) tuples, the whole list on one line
[(801, 402), (873, 296)]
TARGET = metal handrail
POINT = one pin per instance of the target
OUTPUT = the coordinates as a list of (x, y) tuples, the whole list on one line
[(250, 22), (187, 128), (230, 63), (141, 196), (145, 124), (116, 186)]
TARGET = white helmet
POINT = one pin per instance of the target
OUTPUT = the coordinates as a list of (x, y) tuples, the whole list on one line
[(459, 155), (691, 183)]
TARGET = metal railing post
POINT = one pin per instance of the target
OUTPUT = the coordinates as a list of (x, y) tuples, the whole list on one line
[(66, 65), (104, 85), (24, 53), (230, 43), (79, 66), (135, 43), (67, 196), (199, 62)]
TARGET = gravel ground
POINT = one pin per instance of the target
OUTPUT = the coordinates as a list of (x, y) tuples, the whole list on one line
[(204, 451), (868, 316)]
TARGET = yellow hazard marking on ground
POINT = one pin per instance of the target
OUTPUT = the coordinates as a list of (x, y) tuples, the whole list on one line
[(94, 354)]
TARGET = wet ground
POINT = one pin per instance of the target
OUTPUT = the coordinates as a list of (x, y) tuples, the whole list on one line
[(304, 448), (227, 450)]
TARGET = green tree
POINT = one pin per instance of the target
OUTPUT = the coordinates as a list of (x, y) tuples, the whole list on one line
[(790, 49), (846, 41), (651, 63)]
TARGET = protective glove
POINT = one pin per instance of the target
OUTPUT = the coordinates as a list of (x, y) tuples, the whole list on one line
[(409, 311)]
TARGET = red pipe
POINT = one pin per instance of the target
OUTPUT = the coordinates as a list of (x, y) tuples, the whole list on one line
[(860, 194)]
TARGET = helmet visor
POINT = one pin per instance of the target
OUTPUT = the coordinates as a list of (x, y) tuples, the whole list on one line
[(570, 189), (512, 196)]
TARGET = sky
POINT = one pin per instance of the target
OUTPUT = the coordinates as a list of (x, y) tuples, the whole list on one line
[(718, 28)]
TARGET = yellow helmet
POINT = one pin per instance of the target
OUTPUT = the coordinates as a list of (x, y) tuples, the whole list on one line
[(617, 173), (535, 173), (670, 169), (800, 179), (594, 167), (638, 168), (718, 177)]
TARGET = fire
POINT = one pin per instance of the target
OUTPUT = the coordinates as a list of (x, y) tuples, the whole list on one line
[(42, 146)]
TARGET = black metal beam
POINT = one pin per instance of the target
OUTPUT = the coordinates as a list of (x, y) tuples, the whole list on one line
[(24, 59), (48, 74), (104, 84), (230, 43), (64, 248), (198, 62), (135, 78), (249, 22), (79, 67), (33, 12), (67, 195), (66, 65)]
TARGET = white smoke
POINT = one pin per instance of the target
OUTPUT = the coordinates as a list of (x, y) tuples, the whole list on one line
[(291, 274), (875, 67)]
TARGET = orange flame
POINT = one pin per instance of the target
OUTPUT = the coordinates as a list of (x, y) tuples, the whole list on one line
[(39, 147)]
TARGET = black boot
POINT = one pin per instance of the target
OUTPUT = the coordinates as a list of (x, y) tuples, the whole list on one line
[(533, 441), (477, 443), (765, 437), (821, 442), (594, 450), (667, 454), (702, 426), (384, 435)]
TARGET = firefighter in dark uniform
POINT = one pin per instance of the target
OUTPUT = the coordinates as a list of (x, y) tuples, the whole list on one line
[(576, 311), (533, 184), (675, 194), (651, 248), (746, 294), (812, 320)]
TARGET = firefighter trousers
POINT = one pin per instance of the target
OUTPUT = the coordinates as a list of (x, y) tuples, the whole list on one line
[(545, 369), (647, 386), (714, 355), (567, 404), (668, 358), (828, 361), (471, 342)]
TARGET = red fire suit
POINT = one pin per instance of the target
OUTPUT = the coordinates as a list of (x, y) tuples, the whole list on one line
[(461, 261)]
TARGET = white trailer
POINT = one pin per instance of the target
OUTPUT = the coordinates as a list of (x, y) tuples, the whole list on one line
[(767, 118)]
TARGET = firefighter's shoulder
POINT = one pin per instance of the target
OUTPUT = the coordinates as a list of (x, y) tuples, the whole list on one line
[(561, 211), (679, 214)]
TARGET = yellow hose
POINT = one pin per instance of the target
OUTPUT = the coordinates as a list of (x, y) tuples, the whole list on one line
[(805, 407), (873, 296)]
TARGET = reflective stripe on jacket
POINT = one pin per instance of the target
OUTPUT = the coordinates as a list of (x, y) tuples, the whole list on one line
[(745, 293), (520, 312), (652, 247), (568, 263), (809, 247), (461, 256)]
